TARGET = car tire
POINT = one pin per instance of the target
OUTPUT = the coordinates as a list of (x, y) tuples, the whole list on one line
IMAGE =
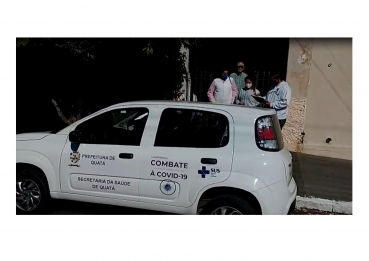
[(33, 195), (234, 206)]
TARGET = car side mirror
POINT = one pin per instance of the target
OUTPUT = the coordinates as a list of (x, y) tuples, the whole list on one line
[(75, 136)]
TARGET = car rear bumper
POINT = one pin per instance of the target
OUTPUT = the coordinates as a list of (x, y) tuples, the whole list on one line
[(292, 207), (292, 193), (278, 199)]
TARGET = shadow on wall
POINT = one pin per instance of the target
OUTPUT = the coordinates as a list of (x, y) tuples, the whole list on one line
[(342, 70), (347, 106)]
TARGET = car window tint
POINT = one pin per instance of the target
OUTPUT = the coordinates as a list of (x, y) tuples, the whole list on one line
[(192, 128), (116, 127)]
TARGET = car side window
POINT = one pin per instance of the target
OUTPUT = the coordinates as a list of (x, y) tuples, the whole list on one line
[(192, 128), (116, 127)]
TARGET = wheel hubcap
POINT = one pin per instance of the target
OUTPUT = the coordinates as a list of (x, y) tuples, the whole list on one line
[(28, 195), (226, 211)]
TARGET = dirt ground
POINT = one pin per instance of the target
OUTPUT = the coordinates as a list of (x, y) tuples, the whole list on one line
[(305, 211)]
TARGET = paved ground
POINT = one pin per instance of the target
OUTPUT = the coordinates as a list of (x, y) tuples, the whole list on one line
[(64, 207), (319, 177), (323, 177)]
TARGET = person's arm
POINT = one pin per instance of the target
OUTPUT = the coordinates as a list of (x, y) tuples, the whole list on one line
[(211, 92), (265, 97), (267, 104), (238, 99), (234, 89), (283, 101), (256, 103)]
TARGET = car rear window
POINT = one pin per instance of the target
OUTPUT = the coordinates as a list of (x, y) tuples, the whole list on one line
[(192, 128)]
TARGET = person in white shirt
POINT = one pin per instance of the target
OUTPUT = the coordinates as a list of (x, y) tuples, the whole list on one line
[(223, 89), (244, 96), (279, 98)]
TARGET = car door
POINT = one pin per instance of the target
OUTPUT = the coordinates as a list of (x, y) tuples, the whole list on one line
[(193, 148), (106, 161)]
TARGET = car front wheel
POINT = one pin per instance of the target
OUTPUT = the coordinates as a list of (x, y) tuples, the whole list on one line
[(32, 193)]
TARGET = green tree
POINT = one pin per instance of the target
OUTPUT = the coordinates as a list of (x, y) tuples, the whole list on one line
[(82, 47), (56, 49), (72, 106), (168, 52)]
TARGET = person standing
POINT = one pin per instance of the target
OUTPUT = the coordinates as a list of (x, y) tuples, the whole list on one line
[(223, 89), (244, 96), (239, 76), (279, 98)]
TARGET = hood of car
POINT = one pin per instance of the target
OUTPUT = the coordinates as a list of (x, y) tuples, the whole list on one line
[(32, 136)]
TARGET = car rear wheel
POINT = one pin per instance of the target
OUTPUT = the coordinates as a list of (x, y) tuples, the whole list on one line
[(227, 205), (32, 193)]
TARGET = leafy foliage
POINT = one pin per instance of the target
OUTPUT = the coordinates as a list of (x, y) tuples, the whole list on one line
[(22, 42), (83, 47), (167, 52), (80, 46), (77, 76)]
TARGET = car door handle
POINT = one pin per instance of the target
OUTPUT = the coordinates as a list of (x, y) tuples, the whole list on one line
[(209, 161), (126, 155)]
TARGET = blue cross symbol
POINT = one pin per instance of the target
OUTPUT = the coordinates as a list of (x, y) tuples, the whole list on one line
[(203, 172)]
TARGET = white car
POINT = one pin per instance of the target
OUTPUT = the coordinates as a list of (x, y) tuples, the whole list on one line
[(177, 157)]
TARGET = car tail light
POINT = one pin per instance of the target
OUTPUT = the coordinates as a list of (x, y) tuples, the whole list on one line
[(266, 134)]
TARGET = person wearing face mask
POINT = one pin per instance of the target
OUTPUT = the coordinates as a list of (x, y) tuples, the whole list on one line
[(223, 89), (279, 98), (244, 96)]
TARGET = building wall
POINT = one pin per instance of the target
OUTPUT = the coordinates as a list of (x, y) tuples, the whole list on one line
[(320, 74)]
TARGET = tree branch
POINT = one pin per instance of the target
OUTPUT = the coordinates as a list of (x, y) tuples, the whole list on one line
[(60, 113)]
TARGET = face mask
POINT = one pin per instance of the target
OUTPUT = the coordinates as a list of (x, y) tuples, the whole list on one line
[(224, 77), (248, 85)]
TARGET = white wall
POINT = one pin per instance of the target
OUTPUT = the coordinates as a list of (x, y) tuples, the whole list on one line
[(321, 105), (329, 99)]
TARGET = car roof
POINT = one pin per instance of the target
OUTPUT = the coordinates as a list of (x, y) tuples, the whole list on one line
[(231, 108), (238, 112)]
